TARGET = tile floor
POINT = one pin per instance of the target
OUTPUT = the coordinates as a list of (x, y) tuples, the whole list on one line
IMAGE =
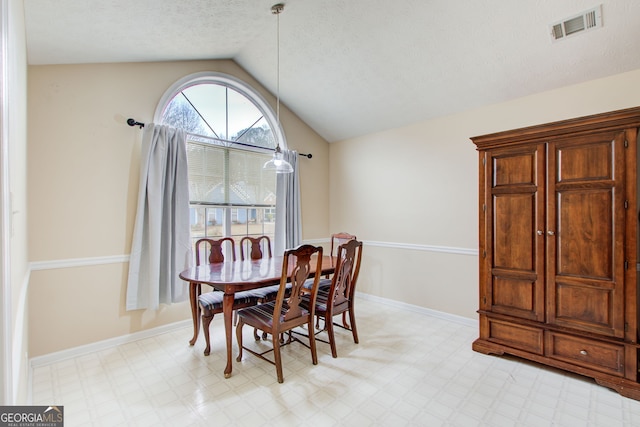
[(409, 369)]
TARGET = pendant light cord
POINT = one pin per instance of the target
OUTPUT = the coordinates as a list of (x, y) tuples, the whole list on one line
[(278, 66), (276, 9)]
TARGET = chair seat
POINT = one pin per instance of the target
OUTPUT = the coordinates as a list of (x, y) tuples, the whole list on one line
[(212, 301), (322, 283), (262, 315), (322, 303), (269, 293), (266, 293)]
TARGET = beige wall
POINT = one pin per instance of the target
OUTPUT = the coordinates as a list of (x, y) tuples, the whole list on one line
[(412, 192), (83, 179)]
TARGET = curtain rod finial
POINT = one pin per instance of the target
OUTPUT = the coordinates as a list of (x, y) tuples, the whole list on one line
[(133, 122)]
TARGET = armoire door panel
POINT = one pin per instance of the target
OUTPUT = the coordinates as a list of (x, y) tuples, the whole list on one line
[(585, 162), (585, 233), (585, 307), (515, 296), (514, 231), (514, 169)]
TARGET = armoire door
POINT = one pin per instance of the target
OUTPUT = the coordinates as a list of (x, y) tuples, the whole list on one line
[(585, 233), (514, 204)]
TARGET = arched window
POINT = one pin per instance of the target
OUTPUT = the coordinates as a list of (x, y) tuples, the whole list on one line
[(231, 133)]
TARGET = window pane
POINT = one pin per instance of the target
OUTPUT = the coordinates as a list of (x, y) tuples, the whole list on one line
[(181, 114), (243, 117), (210, 101), (259, 135), (249, 183), (206, 173), (227, 176)]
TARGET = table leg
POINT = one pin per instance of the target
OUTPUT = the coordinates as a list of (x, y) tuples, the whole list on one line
[(194, 293), (227, 312)]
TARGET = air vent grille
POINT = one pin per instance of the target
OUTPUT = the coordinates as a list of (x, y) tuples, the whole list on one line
[(587, 20)]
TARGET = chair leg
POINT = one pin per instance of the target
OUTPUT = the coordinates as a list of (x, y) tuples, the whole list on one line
[(352, 319), (206, 321), (239, 339), (312, 343), (277, 357), (332, 339), (344, 320)]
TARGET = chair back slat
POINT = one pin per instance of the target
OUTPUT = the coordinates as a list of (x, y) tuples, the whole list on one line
[(214, 248), (345, 277), (254, 247)]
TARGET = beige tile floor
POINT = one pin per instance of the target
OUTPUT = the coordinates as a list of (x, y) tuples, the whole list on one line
[(410, 368)]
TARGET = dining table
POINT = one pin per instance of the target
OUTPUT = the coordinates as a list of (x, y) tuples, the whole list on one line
[(235, 276)]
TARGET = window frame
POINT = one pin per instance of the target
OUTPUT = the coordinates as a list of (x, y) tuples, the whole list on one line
[(231, 82), (213, 77)]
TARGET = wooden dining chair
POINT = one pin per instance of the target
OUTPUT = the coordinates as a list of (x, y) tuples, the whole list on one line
[(339, 238), (214, 249), (211, 302), (285, 312), (339, 297), (336, 240), (254, 247)]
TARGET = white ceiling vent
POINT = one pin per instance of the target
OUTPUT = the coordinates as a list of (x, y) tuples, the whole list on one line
[(587, 20)]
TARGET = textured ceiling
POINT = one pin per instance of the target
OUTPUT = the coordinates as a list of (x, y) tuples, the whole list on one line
[(352, 67)]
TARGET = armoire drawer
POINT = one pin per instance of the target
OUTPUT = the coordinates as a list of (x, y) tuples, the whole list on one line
[(592, 354), (517, 336)]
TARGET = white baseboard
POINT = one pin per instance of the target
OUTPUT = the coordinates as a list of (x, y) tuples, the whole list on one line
[(422, 310), (105, 344), (20, 353)]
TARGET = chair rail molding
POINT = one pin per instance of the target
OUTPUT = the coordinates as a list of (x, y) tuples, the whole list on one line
[(77, 262), (420, 247)]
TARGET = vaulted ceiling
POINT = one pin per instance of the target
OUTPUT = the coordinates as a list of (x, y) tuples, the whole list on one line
[(352, 67)]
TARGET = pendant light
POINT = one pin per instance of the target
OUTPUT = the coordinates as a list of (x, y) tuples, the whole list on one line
[(278, 163)]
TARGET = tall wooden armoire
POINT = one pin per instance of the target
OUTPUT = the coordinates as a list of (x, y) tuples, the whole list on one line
[(558, 246)]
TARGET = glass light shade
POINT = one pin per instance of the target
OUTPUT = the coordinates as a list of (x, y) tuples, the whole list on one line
[(278, 164)]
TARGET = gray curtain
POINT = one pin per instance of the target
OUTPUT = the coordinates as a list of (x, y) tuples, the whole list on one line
[(288, 232), (161, 246)]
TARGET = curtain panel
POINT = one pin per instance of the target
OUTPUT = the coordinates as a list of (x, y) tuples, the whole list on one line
[(161, 246), (288, 230)]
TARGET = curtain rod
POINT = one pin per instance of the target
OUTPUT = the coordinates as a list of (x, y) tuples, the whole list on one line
[(133, 122)]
